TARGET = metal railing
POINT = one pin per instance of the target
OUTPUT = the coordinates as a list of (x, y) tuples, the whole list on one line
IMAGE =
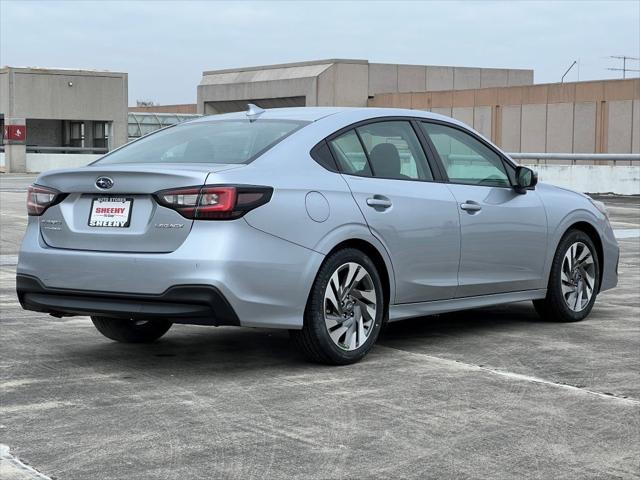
[(43, 149), (577, 158)]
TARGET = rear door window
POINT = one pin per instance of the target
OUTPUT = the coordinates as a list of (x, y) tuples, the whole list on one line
[(394, 151)]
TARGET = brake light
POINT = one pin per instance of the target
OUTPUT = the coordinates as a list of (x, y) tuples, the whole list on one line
[(214, 202), (40, 198)]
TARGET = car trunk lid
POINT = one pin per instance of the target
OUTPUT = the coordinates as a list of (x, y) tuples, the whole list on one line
[(124, 217)]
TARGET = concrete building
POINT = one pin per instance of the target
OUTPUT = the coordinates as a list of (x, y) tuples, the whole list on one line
[(578, 117), (338, 83), (62, 111)]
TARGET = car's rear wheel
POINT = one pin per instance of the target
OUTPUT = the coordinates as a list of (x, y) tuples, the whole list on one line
[(345, 310), (573, 282), (131, 331)]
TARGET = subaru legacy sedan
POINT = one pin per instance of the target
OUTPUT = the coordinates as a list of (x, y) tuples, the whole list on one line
[(327, 222)]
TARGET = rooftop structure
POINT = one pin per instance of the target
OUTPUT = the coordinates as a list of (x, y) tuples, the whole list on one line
[(338, 82), (58, 110)]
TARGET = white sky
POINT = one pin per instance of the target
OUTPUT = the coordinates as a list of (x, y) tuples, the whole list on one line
[(166, 45)]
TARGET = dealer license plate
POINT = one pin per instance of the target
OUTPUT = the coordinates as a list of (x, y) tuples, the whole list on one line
[(110, 212)]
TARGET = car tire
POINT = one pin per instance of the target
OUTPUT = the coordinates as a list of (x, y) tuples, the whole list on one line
[(131, 331), (564, 302), (342, 335)]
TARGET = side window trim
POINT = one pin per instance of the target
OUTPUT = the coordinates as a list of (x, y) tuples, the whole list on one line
[(315, 154), (366, 154), (505, 164), (433, 159)]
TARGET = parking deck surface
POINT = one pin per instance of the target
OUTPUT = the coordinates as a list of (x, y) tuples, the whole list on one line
[(490, 393)]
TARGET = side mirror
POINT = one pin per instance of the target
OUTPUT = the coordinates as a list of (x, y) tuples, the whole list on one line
[(526, 179)]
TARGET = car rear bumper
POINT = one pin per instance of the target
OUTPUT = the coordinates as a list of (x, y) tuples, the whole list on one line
[(265, 279), (195, 304)]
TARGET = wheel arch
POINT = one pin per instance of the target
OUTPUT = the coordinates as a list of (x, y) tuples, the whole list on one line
[(593, 234), (376, 257)]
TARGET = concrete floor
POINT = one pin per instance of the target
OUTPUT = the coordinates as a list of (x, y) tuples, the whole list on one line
[(491, 393)]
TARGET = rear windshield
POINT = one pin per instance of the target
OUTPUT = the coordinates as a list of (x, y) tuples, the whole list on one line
[(223, 141)]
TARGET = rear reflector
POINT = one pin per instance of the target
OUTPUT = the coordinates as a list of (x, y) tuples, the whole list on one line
[(40, 198), (214, 202)]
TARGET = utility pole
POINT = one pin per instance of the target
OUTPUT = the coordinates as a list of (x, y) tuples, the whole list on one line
[(624, 68)]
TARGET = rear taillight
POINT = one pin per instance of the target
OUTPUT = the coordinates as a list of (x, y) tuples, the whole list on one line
[(214, 202), (40, 198)]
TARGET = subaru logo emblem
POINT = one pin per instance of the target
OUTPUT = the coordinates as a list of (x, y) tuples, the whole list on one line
[(104, 183)]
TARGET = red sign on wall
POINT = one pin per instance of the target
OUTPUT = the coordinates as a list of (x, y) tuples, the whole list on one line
[(15, 133)]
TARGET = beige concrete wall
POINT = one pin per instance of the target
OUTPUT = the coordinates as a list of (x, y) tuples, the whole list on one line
[(520, 77), (390, 78), (342, 82), (383, 78), (495, 78), (584, 127), (442, 111), (439, 79), (510, 122), (349, 81), (577, 117), (464, 114), (273, 82), (49, 94), (620, 119), (559, 127), (533, 128), (482, 120), (325, 88), (412, 78), (466, 78), (4, 92)]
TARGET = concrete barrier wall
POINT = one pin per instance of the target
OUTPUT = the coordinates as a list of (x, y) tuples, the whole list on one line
[(576, 117), (39, 162), (619, 179)]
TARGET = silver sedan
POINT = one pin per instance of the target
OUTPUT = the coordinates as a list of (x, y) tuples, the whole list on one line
[(327, 222)]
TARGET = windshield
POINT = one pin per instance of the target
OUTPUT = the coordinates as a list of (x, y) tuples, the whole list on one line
[(224, 141)]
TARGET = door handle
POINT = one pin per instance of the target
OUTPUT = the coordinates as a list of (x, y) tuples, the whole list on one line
[(378, 201), (470, 206)]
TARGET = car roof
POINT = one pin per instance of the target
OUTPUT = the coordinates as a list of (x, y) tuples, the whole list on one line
[(312, 114)]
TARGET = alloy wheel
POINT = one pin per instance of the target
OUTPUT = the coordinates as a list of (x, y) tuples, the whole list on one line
[(350, 306), (578, 276)]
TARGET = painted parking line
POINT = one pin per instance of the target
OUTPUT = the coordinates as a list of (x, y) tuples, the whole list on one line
[(621, 233), (7, 260), (12, 468)]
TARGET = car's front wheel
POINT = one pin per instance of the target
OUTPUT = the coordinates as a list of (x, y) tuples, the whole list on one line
[(573, 282), (345, 310), (131, 331)]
